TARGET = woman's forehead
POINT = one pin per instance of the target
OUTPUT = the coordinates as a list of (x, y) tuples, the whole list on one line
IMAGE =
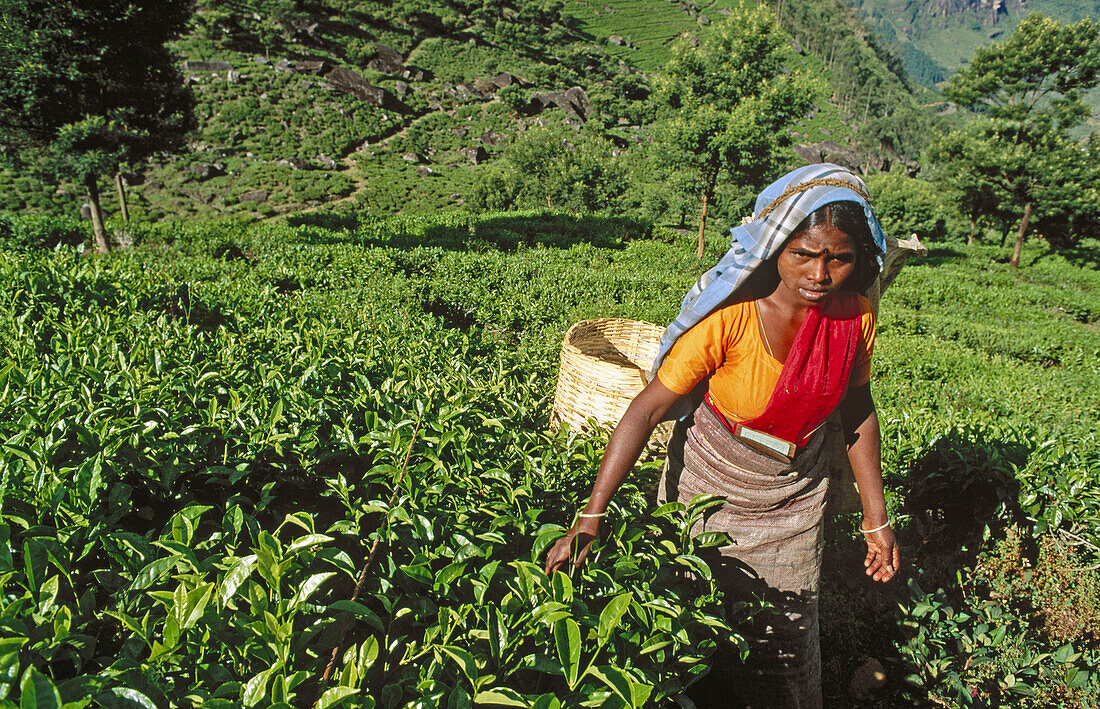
[(822, 237)]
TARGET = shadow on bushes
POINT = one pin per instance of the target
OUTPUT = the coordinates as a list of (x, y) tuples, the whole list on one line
[(961, 484), (505, 232), (32, 232), (940, 254), (335, 222)]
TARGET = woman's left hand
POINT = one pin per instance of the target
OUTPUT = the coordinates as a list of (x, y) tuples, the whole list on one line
[(883, 558)]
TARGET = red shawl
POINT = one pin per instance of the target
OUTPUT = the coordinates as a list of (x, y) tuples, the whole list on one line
[(815, 375)]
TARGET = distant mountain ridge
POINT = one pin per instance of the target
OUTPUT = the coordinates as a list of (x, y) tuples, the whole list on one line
[(936, 37)]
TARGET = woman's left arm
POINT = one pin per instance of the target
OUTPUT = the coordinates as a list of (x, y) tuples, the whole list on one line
[(861, 432)]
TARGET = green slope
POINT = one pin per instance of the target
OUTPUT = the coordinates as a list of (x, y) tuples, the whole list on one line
[(278, 139)]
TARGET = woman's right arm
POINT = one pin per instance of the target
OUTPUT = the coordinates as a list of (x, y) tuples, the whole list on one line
[(626, 443)]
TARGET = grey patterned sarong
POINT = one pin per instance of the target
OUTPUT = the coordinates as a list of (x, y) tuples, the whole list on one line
[(774, 514)]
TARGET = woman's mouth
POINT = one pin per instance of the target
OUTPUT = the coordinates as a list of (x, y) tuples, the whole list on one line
[(814, 295)]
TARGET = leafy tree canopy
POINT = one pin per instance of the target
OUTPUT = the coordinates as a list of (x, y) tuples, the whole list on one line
[(727, 100), (1027, 91), (86, 85)]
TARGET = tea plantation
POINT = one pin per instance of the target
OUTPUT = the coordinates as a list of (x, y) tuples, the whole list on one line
[(235, 452)]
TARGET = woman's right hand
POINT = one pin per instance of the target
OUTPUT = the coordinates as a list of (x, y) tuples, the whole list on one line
[(574, 545)]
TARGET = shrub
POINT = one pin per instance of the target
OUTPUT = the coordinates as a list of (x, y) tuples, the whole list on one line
[(30, 232)]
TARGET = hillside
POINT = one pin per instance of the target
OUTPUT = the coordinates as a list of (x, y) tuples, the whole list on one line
[(383, 107)]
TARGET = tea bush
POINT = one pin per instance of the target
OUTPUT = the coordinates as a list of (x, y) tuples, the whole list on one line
[(206, 435)]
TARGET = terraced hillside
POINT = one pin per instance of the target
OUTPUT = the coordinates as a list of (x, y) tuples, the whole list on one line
[(380, 108)]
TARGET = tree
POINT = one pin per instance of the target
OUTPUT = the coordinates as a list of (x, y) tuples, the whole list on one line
[(87, 86), (726, 101), (1027, 92), (553, 167), (978, 198)]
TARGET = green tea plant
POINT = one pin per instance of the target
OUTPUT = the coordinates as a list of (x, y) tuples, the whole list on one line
[(192, 478), (204, 437)]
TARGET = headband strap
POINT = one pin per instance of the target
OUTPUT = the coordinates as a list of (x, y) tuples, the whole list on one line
[(803, 186)]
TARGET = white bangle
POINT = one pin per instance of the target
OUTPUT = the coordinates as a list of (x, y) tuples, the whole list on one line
[(876, 529), (591, 515)]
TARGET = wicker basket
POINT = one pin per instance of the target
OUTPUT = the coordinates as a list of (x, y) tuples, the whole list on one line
[(603, 365)]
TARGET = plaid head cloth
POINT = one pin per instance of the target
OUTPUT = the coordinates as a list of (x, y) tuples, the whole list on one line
[(779, 209)]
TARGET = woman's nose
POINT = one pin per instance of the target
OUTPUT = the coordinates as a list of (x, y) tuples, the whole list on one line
[(820, 273)]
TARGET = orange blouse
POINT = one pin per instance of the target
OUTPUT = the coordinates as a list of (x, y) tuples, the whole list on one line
[(727, 345)]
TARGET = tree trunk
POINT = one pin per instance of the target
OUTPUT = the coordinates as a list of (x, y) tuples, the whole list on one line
[(1015, 260), (120, 185), (703, 223), (100, 232), (973, 229)]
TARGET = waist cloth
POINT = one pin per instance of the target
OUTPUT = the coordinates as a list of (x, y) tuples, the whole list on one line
[(773, 513)]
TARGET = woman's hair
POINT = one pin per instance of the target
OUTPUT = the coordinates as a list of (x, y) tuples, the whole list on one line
[(849, 218)]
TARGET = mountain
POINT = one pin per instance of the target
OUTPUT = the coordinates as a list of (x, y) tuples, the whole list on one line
[(936, 37)]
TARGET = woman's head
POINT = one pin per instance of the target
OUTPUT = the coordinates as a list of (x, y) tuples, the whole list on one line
[(830, 250), (848, 218)]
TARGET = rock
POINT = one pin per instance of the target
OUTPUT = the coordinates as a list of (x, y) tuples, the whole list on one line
[(306, 85), (467, 89), (505, 79), (283, 65), (704, 20), (424, 171), (491, 137), (807, 152), (253, 196), (573, 101), (388, 54), (401, 88), (233, 77), (327, 162), (382, 67), (486, 87), (456, 196), (207, 66), (415, 158), (348, 81), (461, 131), (868, 678), (307, 32), (476, 155), (260, 59), (797, 47), (294, 164), (616, 40), (415, 74), (311, 66), (205, 171), (834, 152)]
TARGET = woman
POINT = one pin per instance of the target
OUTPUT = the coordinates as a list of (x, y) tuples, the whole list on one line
[(767, 344)]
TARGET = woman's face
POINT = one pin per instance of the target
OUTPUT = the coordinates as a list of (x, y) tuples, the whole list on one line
[(815, 263)]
